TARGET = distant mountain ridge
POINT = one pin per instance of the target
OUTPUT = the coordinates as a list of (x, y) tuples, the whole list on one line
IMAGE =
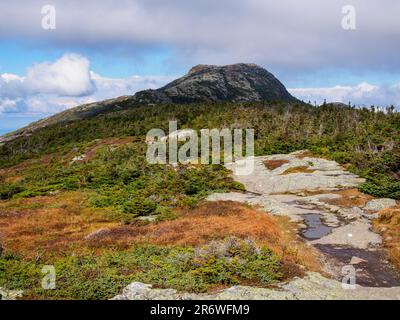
[(204, 83)]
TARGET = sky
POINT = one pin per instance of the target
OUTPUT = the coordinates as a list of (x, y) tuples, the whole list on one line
[(58, 54)]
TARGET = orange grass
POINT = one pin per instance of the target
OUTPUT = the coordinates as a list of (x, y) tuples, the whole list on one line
[(217, 220), (349, 198), (388, 224), (62, 224), (301, 169), (274, 164), (47, 225)]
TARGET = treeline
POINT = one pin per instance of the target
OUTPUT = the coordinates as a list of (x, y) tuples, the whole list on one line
[(366, 140)]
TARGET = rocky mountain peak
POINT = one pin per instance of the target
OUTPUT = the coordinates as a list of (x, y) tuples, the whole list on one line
[(210, 83), (202, 68)]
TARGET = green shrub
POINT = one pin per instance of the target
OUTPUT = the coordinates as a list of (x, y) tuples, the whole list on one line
[(92, 276), (140, 207), (8, 190)]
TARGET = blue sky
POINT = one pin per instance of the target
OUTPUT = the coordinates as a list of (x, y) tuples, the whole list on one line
[(102, 49), (18, 55)]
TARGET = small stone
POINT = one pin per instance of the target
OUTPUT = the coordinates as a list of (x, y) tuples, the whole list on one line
[(351, 213), (148, 218), (78, 158), (356, 260), (370, 216), (380, 204), (10, 294)]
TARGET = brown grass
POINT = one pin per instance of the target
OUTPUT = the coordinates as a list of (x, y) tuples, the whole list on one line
[(91, 151), (62, 224), (349, 198), (388, 225), (13, 179), (217, 220), (48, 224), (274, 164), (300, 169)]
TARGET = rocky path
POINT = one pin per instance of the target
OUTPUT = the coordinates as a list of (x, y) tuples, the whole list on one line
[(307, 190), (341, 232)]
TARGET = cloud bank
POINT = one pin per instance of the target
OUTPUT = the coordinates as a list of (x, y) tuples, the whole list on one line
[(363, 94), (51, 87), (288, 36)]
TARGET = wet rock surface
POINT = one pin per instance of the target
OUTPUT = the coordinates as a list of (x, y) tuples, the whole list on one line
[(372, 268), (316, 228), (356, 234)]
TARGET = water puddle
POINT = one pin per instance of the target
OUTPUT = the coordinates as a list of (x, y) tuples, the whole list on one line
[(316, 228)]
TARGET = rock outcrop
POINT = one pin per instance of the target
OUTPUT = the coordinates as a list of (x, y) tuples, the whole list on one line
[(207, 83), (380, 204), (309, 191)]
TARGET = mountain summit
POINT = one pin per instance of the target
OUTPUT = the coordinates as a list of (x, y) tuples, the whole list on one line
[(204, 83), (209, 83)]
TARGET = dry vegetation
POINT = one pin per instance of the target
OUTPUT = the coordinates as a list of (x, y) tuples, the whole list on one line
[(388, 224), (48, 225), (274, 164), (349, 198), (61, 224), (300, 169), (217, 220)]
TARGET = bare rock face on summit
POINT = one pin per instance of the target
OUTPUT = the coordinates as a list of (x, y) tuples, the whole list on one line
[(235, 83)]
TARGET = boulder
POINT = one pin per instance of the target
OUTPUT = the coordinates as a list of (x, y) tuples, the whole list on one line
[(380, 204)]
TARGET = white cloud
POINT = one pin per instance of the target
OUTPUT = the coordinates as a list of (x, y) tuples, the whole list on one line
[(52, 87), (68, 76), (361, 94), (111, 87), (8, 77), (7, 105)]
